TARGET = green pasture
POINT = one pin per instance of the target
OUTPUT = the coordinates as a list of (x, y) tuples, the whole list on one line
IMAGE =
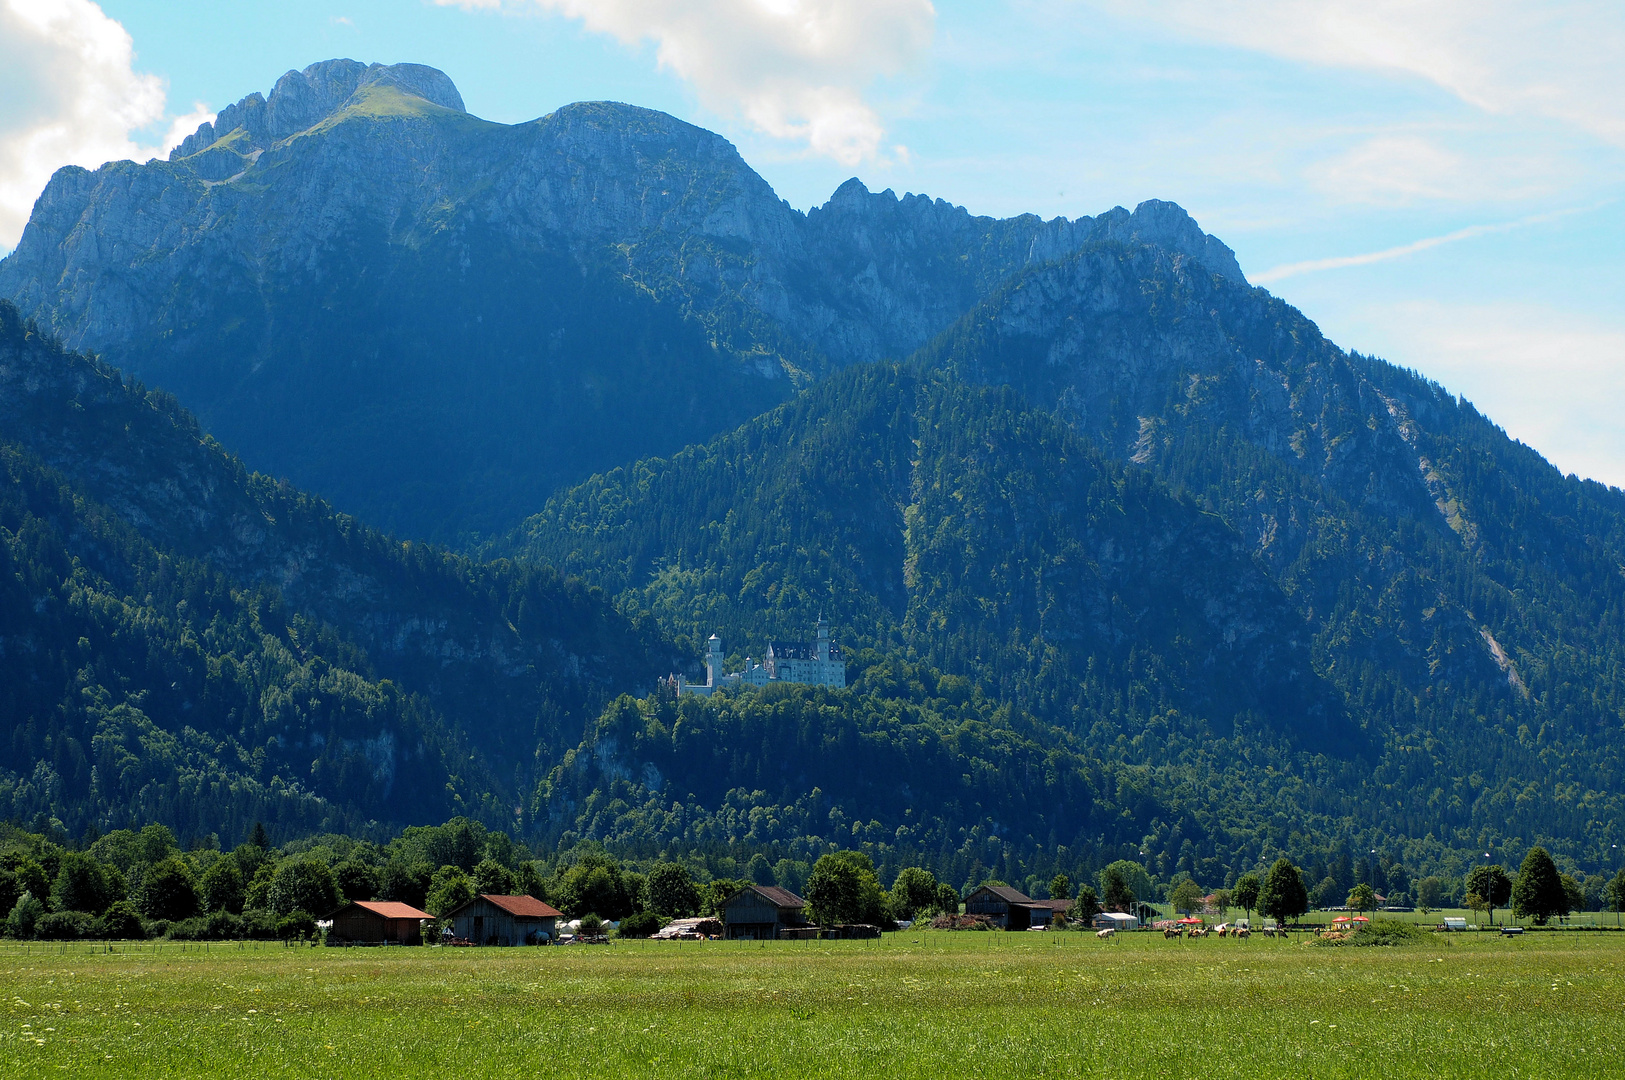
[(931, 1004)]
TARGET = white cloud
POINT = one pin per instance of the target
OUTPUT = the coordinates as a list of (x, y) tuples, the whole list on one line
[(1552, 59), (1279, 273), (72, 97), (793, 69)]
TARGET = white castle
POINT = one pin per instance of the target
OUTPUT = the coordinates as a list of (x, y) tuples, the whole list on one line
[(818, 664)]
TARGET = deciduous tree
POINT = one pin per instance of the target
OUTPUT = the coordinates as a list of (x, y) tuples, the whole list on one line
[(168, 891), (671, 891), (1283, 896), (1248, 889)]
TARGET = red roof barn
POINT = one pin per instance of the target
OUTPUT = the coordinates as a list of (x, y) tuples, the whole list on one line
[(377, 922)]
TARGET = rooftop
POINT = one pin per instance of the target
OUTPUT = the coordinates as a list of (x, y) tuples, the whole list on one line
[(525, 907), (391, 909)]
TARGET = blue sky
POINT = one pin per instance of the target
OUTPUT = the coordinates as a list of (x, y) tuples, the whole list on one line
[(1438, 183)]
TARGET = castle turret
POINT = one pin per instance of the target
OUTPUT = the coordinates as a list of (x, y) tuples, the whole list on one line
[(713, 662), (822, 652)]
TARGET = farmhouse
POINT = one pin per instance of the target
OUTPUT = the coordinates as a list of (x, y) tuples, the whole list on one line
[(377, 922), (815, 664), (1011, 909), (505, 920), (762, 912)]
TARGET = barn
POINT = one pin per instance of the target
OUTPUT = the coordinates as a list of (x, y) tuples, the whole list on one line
[(1006, 908), (505, 920), (761, 911), (377, 922)]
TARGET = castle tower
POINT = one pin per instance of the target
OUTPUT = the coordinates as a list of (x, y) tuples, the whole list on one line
[(822, 653), (713, 662)]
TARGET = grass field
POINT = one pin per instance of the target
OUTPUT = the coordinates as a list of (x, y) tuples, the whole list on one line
[(932, 1004)]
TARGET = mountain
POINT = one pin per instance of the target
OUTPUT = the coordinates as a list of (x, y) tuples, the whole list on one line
[(1455, 583), (922, 514), (1251, 592), (1421, 661), (435, 321), (164, 605)]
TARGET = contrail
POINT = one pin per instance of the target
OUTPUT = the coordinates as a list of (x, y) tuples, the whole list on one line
[(1293, 269)]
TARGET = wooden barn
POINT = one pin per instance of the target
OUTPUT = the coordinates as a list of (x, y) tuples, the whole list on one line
[(1011, 909), (505, 920), (377, 922), (761, 911)]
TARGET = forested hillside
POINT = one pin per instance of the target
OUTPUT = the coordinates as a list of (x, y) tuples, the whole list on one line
[(192, 643), (959, 526)]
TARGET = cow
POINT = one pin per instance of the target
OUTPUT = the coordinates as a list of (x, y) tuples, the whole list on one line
[(1106, 933)]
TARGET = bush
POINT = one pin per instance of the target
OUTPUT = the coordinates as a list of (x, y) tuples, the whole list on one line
[(259, 925), (296, 924), (1380, 932), (193, 929), (65, 926), (640, 925), (25, 915), (591, 925), (121, 922)]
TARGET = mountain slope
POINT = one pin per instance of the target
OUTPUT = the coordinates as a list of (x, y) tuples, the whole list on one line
[(925, 515), (1464, 595), (514, 658), (435, 321), (975, 533)]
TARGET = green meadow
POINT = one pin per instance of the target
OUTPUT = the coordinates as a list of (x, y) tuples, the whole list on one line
[(931, 1004)]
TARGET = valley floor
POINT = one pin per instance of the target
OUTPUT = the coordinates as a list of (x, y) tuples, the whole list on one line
[(932, 1004)]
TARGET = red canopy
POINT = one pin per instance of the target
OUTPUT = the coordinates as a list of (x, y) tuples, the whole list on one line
[(1190, 919)]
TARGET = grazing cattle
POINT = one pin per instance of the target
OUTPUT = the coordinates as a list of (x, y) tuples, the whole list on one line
[(1242, 931), (1222, 930), (1106, 933)]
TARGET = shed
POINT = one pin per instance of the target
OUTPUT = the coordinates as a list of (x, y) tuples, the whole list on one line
[(761, 911), (377, 922), (505, 920), (1116, 920)]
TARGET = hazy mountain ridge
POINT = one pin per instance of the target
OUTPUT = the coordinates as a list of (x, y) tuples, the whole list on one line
[(427, 317)]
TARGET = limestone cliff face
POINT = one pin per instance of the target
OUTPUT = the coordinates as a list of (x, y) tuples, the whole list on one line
[(354, 272)]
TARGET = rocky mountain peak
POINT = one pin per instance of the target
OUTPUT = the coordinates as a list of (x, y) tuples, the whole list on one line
[(302, 99)]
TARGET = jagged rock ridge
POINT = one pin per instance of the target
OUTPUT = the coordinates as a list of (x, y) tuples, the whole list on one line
[(354, 267)]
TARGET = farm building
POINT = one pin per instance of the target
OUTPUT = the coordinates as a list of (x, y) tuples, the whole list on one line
[(1115, 920), (1011, 909), (761, 911), (505, 920), (377, 922)]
